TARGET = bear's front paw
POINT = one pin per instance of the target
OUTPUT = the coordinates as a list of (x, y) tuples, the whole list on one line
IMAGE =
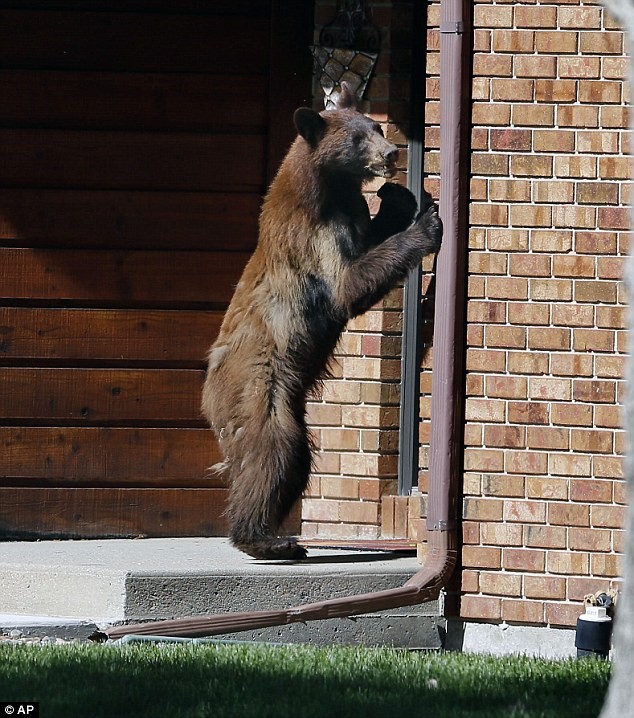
[(429, 221), (398, 200)]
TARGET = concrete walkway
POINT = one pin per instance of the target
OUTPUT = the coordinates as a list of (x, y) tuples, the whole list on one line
[(68, 588)]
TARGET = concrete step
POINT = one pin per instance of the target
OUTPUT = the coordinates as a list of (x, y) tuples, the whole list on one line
[(101, 582)]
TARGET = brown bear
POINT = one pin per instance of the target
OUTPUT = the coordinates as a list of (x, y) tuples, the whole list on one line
[(320, 260)]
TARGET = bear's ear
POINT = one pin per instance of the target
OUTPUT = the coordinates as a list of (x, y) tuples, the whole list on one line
[(310, 125), (347, 99)]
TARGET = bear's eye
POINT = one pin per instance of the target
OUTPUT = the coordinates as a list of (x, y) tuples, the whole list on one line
[(357, 138), (379, 129)]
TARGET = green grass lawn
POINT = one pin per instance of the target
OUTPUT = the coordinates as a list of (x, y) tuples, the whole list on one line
[(295, 681)]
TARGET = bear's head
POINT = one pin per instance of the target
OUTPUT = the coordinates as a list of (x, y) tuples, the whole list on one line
[(345, 141)]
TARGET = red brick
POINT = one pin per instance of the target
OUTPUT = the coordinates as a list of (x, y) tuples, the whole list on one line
[(563, 614), (590, 539), (514, 41), (489, 164), (520, 412), (571, 365), (529, 265), (614, 218), (568, 563), (501, 534), (481, 557), (555, 91), (607, 516), (609, 417), (571, 415), (556, 43), (539, 487), (597, 141), (501, 584), (507, 240), (573, 266), (492, 65), (533, 115), (553, 141), (482, 509), (522, 611), (505, 336), (607, 565), (550, 389), (528, 313), (501, 484), (548, 438), (548, 338), (579, 67), (523, 511), (551, 241), (615, 167), (576, 166), (469, 581), (527, 363), (530, 16), (602, 92), (545, 536), (532, 166), (574, 216), (483, 460), (555, 192), (593, 340), (591, 491), (530, 215), (568, 514), (509, 190), (489, 113), (485, 410), (551, 290), (486, 360), (488, 214), (486, 312), (544, 587), (480, 607), (569, 464), (506, 387), (598, 193), (512, 90), (573, 315), (601, 43), (582, 18), (578, 116), (580, 587), (507, 288), (594, 391), (541, 66), (606, 467), (493, 16), (511, 139), (514, 559)]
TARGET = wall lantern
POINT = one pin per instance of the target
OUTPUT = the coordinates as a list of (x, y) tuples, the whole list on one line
[(347, 52)]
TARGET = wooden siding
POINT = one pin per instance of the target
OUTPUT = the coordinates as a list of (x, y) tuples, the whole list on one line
[(136, 141)]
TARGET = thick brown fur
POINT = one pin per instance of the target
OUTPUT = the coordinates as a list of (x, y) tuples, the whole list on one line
[(319, 261)]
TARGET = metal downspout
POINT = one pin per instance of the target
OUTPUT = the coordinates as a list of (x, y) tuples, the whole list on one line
[(447, 390)]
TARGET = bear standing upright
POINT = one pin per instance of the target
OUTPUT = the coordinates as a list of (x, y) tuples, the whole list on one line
[(320, 260)]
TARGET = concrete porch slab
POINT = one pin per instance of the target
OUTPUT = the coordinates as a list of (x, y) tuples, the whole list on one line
[(103, 582)]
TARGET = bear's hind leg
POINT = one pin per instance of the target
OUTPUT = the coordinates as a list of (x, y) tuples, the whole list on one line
[(273, 478)]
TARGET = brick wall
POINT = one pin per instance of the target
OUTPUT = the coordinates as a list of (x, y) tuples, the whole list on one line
[(355, 417), (543, 495)]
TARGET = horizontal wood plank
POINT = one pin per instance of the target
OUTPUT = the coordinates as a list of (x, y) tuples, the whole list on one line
[(129, 220), (132, 160), (111, 397), (105, 513), (108, 457), (133, 42), (131, 101), (100, 335), (159, 278)]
